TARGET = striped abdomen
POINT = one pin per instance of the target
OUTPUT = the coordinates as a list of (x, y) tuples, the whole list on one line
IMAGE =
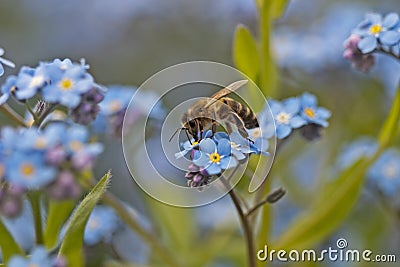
[(244, 112)]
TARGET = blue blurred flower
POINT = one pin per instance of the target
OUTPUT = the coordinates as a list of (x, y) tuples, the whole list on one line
[(4, 61), (39, 257), (376, 30), (28, 170), (7, 89), (69, 87), (352, 152), (29, 81), (114, 109), (385, 173), (311, 112), (286, 116), (214, 157), (102, 224)]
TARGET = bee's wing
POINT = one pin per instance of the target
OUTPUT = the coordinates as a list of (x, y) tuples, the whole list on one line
[(226, 91)]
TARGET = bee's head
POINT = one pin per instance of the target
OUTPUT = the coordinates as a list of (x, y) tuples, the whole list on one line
[(192, 126)]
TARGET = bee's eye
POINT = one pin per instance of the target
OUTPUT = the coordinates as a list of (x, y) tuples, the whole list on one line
[(192, 123)]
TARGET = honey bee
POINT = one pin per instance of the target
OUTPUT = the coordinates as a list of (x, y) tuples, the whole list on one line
[(208, 112)]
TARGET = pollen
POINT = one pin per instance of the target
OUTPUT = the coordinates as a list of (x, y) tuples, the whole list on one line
[(75, 145), (283, 118), (115, 105), (375, 29), (195, 143), (66, 84), (27, 170), (40, 143), (309, 112), (215, 157)]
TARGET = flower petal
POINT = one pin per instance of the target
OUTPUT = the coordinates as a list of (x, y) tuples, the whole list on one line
[(208, 146), (367, 44), (374, 18), (238, 154), (213, 169), (202, 159), (292, 105), (228, 162), (283, 131), (389, 38), (391, 20), (323, 113), (308, 100), (224, 147), (297, 122), (4, 98)]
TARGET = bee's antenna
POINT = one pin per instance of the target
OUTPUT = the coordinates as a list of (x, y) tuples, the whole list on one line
[(177, 130)]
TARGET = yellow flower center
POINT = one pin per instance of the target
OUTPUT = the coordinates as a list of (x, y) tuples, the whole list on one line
[(195, 143), (75, 145), (375, 29), (40, 143), (27, 170), (66, 84), (390, 171), (115, 105), (283, 118), (215, 157), (309, 112)]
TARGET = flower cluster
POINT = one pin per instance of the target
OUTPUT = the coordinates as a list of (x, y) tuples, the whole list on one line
[(48, 159), (59, 82), (114, 108), (214, 154), (295, 113), (375, 33)]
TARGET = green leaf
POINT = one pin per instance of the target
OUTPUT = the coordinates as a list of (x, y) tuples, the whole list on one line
[(179, 226), (245, 53), (71, 246), (391, 125), (7, 243), (58, 214), (333, 203), (278, 7)]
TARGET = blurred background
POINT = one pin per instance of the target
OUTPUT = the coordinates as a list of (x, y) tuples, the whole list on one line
[(127, 41)]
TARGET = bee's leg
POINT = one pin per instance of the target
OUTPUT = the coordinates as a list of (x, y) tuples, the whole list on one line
[(213, 128), (188, 137)]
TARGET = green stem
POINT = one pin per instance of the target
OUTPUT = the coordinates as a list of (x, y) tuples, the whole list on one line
[(40, 119), (248, 233), (130, 221), (29, 108), (37, 216), (14, 116)]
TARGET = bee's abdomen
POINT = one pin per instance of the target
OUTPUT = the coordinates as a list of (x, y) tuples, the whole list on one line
[(244, 112)]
